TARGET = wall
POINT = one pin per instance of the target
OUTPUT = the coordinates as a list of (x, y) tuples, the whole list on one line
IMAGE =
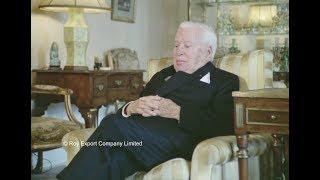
[(148, 36), (176, 12)]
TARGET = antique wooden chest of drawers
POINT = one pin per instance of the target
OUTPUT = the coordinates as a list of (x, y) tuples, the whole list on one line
[(91, 89)]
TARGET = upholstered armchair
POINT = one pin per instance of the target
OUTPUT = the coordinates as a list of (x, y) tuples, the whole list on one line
[(215, 158)]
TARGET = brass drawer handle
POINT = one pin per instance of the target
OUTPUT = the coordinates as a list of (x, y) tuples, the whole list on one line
[(118, 82), (273, 117), (100, 87)]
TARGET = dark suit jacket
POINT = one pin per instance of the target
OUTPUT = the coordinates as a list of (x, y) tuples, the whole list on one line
[(206, 109)]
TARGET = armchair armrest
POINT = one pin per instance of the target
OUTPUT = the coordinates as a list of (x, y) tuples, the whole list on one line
[(72, 141), (215, 158), (55, 90)]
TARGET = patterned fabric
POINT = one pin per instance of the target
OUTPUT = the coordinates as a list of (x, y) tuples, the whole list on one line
[(48, 132), (254, 68), (155, 65), (174, 169), (215, 158), (233, 63)]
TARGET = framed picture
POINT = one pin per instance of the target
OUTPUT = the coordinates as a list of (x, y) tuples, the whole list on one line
[(123, 10)]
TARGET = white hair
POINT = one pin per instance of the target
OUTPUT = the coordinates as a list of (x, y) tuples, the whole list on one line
[(208, 36)]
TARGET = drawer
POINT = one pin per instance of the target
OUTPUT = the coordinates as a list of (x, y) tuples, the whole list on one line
[(267, 116), (118, 81), (136, 81), (114, 95), (123, 95), (50, 79), (99, 86), (98, 101)]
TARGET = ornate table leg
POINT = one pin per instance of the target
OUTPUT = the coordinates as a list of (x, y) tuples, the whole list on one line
[(242, 141), (279, 156), (90, 116)]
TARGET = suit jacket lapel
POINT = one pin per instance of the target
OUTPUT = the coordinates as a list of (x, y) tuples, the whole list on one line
[(180, 78), (176, 80)]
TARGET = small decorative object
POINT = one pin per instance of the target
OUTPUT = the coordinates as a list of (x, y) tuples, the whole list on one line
[(97, 63), (54, 56), (123, 10), (234, 47)]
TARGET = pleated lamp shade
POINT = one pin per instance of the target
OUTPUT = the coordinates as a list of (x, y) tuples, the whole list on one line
[(88, 6)]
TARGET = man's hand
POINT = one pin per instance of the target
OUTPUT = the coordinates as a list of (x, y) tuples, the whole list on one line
[(146, 106), (169, 109)]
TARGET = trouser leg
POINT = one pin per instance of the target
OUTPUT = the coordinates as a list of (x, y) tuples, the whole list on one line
[(120, 164), (87, 160), (105, 162), (157, 146)]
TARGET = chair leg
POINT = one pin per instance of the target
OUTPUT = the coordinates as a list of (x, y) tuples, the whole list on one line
[(38, 169)]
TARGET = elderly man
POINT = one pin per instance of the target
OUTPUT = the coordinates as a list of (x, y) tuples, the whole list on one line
[(180, 106)]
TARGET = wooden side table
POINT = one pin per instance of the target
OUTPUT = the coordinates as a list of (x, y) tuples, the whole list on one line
[(91, 89), (265, 111)]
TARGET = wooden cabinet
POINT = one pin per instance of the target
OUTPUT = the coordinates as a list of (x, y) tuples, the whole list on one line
[(91, 89)]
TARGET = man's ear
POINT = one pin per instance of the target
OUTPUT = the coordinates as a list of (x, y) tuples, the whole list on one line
[(209, 51)]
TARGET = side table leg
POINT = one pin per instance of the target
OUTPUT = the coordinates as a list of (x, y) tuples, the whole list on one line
[(242, 141), (278, 157), (90, 116), (286, 156)]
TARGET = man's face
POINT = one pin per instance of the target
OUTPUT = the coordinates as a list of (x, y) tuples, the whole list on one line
[(189, 53)]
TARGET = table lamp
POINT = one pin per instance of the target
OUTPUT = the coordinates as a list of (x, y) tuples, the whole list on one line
[(75, 29)]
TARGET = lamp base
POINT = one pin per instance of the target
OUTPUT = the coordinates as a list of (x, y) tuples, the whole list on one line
[(75, 68)]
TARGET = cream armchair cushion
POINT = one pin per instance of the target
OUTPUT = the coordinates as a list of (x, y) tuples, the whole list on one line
[(155, 65), (215, 158), (253, 68), (75, 137)]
